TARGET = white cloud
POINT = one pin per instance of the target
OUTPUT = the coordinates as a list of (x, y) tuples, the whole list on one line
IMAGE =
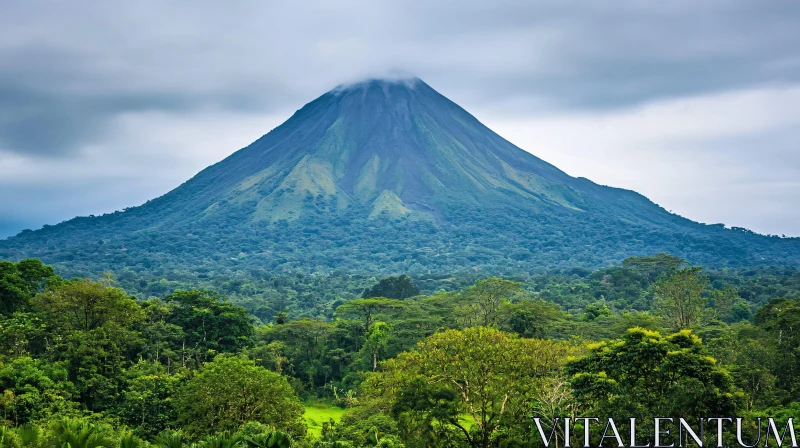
[(731, 157)]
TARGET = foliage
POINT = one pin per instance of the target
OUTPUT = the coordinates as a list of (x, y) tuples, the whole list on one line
[(19, 282), (83, 305), (648, 375), (210, 324), (34, 389), (466, 361), (401, 287), (148, 401), (368, 308), (490, 375), (679, 297), (231, 391)]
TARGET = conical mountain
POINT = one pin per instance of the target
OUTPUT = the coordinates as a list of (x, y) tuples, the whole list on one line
[(387, 176), (397, 147)]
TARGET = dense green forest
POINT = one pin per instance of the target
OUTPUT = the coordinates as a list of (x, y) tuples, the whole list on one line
[(434, 361)]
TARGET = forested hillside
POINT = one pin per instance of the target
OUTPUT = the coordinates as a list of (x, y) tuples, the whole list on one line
[(396, 362)]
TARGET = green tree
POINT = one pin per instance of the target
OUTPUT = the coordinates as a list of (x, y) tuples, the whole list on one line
[(162, 341), (535, 318), (400, 288), (84, 305), (301, 351), (485, 303), (91, 331), (724, 301), (209, 322), (19, 282), (23, 334), (367, 308), (490, 375), (647, 375), (781, 319), (231, 391), (95, 361), (34, 389), (376, 342), (679, 298), (653, 266), (147, 403)]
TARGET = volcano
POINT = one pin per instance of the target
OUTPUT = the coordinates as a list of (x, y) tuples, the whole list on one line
[(386, 176), (395, 148)]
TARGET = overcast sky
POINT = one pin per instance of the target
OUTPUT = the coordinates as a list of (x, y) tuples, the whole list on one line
[(696, 105)]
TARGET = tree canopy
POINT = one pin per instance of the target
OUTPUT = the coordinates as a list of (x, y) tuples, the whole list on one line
[(231, 391)]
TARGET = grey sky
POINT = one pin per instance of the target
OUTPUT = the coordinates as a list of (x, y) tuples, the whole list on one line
[(104, 105)]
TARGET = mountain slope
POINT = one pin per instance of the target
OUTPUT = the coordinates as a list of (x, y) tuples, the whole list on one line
[(386, 176), (362, 143)]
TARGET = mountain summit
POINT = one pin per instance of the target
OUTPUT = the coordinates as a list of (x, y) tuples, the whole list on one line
[(387, 147), (387, 176)]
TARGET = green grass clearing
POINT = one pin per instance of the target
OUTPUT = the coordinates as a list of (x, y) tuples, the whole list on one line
[(318, 413)]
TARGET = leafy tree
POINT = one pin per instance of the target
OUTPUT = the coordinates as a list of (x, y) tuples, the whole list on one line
[(400, 288), (490, 375), (593, 311), (19, 282), (376, 342), (486, 301), (147, 403), (231, 391), (84, 305), (34, 389), (367, 308), (647, 375), (209, 322), (781, 319), (535, 318), (23, 334), (91, 333), (635, 319), (300, 348), (95, 361), (162, 341), (751, 355), (653, 266), (679, 297)]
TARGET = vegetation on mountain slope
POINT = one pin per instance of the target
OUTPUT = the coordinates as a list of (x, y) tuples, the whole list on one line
[(382, 178)]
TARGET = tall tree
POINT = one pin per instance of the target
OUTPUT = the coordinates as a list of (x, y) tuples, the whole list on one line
[(210, 323), (367, 308), (781, 319), (231, 391), (19, 282), (653, 266), (33, 390), (84, 305), (148, 402), (490, 375), (485, 302), (376, 342), (400, 288), (647, 375), (679, 298)]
